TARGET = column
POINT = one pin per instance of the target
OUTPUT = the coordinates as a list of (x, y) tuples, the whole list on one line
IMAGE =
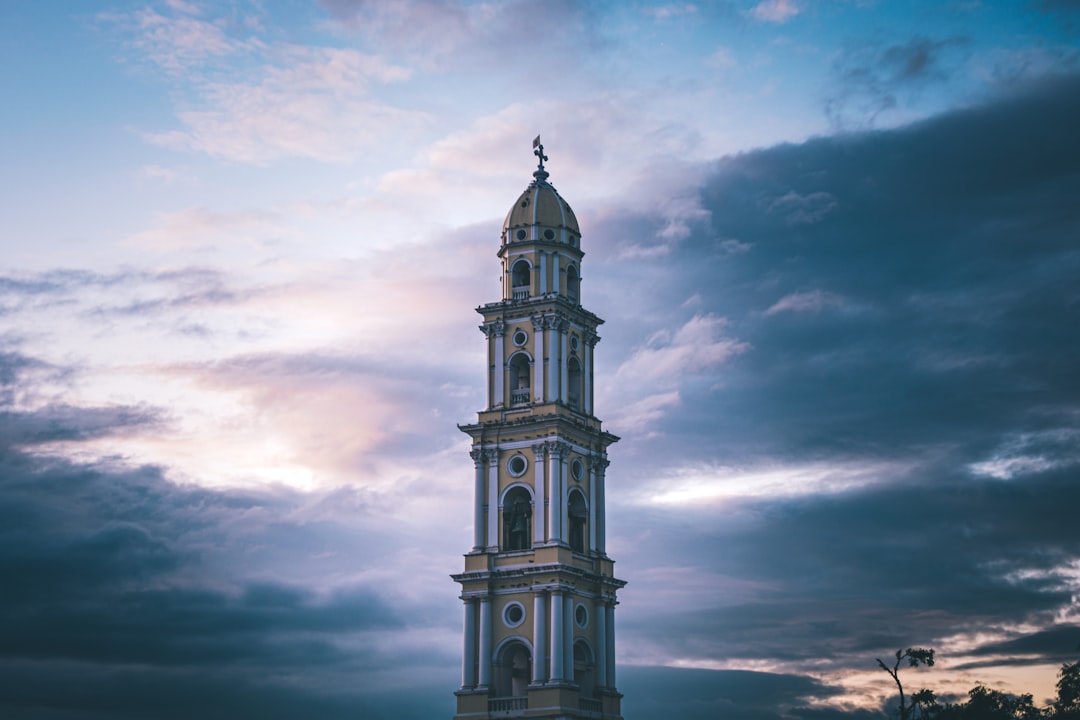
[(564, 506), (593, 507), (538, 362), (539, 638), (485, 643), (468, 662), (553, 361), (493, 499), (601, 504), (564, 364), (556, 286), (499, 329), (568, 636), (543, 273), (600, 619), (555, 503), (478, 500), (590, 343), (609, 619), (557, 609), (539, 496)]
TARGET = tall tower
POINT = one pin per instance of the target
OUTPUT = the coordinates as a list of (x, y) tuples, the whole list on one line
[(538, 587)]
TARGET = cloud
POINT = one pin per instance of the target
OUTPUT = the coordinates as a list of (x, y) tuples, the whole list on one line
[(312, 103), (438, 34), (809, 301), (803, 209), (698, 346), (871, 81), (180, 41), (855, 482), (144, 596), (775, 11)]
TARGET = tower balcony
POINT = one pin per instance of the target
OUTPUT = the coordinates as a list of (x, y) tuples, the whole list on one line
[(519, 396), (508, 706), (592, 705), (521, 292)]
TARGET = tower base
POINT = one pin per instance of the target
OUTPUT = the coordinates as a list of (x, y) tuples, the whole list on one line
[(551, 701)]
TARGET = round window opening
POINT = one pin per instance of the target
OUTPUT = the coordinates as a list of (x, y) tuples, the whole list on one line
[(581, 616), (549, 234), (574, 343), (520, 338), (517, 465), (577, 470), (514, 614), (520, 234)]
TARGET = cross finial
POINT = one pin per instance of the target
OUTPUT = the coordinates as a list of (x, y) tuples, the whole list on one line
[(538, 151)]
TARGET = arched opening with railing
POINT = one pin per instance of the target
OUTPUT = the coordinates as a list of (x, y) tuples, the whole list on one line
[(521, 280), (520, 377)]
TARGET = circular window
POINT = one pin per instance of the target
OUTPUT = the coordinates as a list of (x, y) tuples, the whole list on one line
[(514, 614), (520, 234), (520, 338), (581, 616), (574, 343), (577, 470), (549, 234), (517, 465)]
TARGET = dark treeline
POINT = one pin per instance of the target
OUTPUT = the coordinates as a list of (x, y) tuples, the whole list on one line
[(983, 703)]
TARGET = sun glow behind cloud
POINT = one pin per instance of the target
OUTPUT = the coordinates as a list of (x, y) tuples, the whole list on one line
[(692, 486)]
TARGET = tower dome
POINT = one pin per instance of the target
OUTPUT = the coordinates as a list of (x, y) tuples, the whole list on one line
[(540, 214)]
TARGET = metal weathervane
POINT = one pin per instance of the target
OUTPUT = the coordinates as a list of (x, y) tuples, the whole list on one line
[(538, 151)]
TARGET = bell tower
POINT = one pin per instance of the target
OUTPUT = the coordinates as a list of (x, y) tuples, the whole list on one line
[(538, 587)]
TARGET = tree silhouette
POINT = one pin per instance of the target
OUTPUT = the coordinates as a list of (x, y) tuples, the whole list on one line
[(914, 657), (1067, 705)]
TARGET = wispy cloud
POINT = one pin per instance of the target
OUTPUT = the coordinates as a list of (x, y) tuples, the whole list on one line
[(808, 301), (775, 11)]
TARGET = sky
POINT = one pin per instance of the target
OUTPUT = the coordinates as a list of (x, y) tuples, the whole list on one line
[(836, 246)]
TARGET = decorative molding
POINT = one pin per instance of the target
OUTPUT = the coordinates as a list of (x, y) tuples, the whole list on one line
[(478, 457), (558, 449)]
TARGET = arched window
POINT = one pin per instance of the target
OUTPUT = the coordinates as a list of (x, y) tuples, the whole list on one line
[(519, 379), (517, 519), (574, 387), (573, 284), (513, 670), (521, 280), (583, 669), (579, 514)]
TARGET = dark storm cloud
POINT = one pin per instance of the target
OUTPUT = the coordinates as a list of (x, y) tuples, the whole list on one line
[(127, 595), (840, 577), (658, 693), (1058, 644), (910, 302), (929, 302)]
